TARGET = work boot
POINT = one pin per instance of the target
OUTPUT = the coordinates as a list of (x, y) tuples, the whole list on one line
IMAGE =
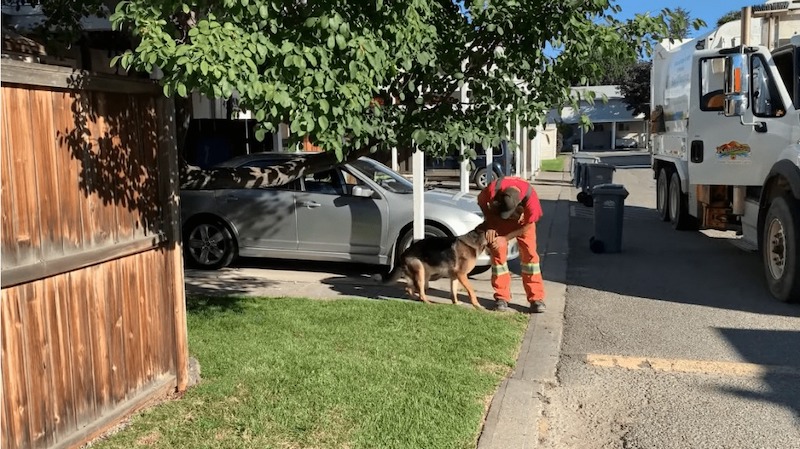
[(538, 307), (501, 306)]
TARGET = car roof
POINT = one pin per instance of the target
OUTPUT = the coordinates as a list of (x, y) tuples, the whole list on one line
[(267, 155)]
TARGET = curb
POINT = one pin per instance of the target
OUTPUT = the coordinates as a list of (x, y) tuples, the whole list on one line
[(513, 419)]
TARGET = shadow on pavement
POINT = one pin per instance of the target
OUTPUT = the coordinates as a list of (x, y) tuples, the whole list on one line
[(223, 283), (660, 263), (771, 348)]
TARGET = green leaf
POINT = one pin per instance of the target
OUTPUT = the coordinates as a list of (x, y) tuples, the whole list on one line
[(204, 67), (182, 90), (324, 105), (341, 42), (311, 59), (260, 134)]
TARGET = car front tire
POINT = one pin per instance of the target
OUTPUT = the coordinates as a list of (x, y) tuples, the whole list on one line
[(208, 244)]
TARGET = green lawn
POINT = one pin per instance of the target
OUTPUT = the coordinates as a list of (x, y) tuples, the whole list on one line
[(556, 164), (300, 373)]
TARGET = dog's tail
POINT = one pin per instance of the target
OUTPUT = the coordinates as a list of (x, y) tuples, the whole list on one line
[(391, 277)]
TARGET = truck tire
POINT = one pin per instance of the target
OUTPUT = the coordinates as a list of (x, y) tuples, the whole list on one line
[(779, 246), (480, 178), (662, 194), (677, 204)]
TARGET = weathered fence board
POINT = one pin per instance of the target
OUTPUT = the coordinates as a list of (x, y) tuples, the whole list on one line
[(93, 312)]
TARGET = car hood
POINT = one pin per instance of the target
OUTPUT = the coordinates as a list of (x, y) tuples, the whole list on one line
[(460, 200)]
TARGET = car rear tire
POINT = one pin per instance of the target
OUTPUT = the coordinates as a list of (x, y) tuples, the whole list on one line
[(208, 244), (779, 248)]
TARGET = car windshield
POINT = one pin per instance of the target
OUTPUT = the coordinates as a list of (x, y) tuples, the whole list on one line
[(383, 176)]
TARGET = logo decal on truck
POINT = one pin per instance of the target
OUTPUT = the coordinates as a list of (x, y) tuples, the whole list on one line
[(733, 150)]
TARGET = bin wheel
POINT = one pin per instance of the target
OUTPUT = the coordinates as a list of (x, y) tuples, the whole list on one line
[(588, 200), (581, 197), (596, 246)]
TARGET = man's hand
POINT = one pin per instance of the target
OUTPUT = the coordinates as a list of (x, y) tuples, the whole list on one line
[(491, 235), (498, 242)]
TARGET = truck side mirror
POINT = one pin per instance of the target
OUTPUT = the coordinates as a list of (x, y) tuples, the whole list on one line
[(737, 82)]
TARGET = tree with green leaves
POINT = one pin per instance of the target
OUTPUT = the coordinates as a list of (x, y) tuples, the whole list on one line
[(729, 17), (635, 88), (360, 76), (679, 26), (60, 26)]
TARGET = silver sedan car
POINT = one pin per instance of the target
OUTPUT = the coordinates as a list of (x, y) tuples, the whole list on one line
[(358, 212)]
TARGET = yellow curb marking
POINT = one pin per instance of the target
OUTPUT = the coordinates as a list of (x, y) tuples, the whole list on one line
[(690, 366)]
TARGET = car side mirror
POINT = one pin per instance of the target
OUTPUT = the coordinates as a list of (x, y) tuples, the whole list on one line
[(737, 82), (362, 192)]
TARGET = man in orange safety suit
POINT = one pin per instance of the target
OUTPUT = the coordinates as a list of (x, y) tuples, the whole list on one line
[(511, 209)]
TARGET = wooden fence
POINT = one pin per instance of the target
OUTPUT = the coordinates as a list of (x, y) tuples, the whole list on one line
[(92, 306)]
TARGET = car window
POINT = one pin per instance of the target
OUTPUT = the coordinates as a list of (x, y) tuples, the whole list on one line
[(327, 181), (383, 176), (267, 163)]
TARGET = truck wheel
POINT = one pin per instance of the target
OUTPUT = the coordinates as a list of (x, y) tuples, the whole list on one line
[(677, 205), (662, 194), (779, 248), (481, 176)]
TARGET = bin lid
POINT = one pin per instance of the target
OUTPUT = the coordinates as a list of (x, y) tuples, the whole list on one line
[(609, 190), (603, 165)]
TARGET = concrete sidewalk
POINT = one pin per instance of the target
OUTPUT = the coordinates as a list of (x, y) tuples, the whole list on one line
[(513, 417)]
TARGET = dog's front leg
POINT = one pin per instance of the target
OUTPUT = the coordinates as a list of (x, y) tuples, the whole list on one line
[(462, 277)]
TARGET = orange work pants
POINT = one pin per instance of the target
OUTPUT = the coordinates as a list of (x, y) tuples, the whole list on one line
[(532, 280)]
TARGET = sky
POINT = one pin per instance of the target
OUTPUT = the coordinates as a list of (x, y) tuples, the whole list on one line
[(708, 10)]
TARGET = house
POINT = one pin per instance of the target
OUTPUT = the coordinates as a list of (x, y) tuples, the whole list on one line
[(614, 126)]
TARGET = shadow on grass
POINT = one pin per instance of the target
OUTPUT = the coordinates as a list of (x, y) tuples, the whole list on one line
[(213, 304)]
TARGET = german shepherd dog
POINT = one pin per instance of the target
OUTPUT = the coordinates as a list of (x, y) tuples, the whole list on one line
[(437, 257)]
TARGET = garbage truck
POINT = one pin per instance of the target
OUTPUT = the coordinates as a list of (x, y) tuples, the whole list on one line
[(725, 133)]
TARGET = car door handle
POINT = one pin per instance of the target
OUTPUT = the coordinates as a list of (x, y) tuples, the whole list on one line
[(231, 198), (310, 204)]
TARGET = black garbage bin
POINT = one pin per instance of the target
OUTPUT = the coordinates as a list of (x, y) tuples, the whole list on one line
[(579, 163), (609, 211), (593, 175)]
